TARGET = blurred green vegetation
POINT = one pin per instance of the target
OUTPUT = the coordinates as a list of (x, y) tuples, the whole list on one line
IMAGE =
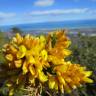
[(84, 50), (3, 39), (84, 53)]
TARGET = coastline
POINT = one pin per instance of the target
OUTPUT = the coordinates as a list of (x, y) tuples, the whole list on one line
[(70, 31), (74, 31)]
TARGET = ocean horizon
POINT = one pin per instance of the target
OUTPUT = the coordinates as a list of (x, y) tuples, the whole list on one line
[(76, 24)]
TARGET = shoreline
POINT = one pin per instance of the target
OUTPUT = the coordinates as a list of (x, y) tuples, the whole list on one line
[(75, 31)]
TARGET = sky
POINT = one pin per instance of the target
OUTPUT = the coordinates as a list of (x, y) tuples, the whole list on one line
[(36, 11)]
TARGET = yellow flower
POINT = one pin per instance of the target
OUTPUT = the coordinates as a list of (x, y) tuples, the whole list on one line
[(18, 39), (51, 82), (31, 59), (42, 58), (11, 92), (44, 55), (32, 70), (28, 41), (66, 52), (61, 39), (56, 83), (9, 57), (55, 61), (18, 63), (13, 50), (25, 67), (72, 75), (87, 80), (42, 41), (8, 84), (42, 77), (22, 51)]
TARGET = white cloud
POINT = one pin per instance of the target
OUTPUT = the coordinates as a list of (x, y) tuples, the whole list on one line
[(60, 11), (7, 15), (92, 11), (44, 2)]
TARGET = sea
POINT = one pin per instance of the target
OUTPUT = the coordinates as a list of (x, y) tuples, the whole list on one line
[(72, 24)]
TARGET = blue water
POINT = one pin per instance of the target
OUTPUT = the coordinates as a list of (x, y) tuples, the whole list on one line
[(53, 25)]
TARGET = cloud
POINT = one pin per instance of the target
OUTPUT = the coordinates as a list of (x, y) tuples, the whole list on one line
[(6, 18), (44, 2), (60, 11), (7, 15), (92, 11)]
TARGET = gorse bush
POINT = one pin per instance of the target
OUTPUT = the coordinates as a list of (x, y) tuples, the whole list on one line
[(38, 63)]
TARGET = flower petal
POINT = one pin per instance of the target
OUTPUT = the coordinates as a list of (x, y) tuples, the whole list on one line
[(9, 57)]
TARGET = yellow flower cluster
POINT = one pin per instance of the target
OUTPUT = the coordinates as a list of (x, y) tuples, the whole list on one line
[(43, 58), (69, 76)]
